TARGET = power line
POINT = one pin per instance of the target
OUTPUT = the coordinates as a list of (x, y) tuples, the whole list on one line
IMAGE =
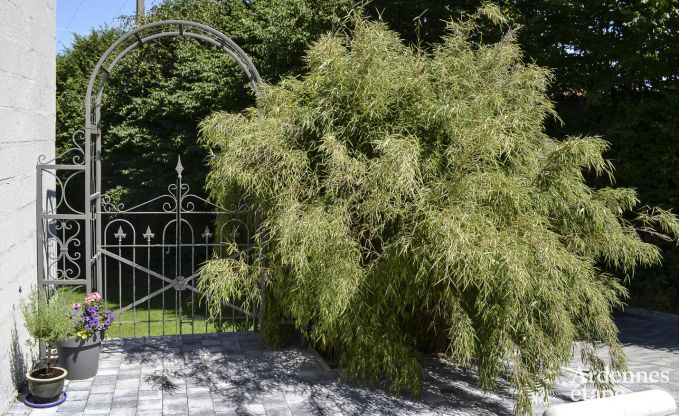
[(68, 26), (121, 9)]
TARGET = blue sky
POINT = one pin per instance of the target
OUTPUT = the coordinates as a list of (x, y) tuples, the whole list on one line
[(79, 16)]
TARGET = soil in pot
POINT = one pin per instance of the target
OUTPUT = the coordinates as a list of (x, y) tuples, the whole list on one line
[(45, 373)]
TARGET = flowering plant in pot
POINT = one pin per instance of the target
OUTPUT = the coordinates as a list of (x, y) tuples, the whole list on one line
[(80, 354), (47, 322)]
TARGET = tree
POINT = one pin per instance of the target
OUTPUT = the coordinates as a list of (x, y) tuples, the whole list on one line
[(413, 203), (157, 95)]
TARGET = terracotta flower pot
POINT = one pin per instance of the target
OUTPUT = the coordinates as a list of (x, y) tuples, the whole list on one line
[(46, 388), (80, 357)]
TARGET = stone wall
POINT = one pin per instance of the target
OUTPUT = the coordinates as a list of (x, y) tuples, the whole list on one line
[(27, 123)]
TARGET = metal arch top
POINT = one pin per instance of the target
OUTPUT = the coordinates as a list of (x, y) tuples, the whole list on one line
[(157, 30)]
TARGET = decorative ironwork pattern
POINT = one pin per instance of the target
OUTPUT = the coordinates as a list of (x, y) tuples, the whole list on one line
[(151, 251), (160, 263)]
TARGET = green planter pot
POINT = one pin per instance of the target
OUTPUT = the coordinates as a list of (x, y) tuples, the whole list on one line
[(46, 390), (80, 357)]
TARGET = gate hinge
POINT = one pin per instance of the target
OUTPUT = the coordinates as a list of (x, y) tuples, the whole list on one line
[(95, 258)]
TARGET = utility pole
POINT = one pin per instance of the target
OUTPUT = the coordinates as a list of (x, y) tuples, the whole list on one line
[(140, 11)]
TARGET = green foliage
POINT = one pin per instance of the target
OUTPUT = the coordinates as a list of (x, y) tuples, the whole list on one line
[(615, 74), (615, 69), (47, 320), (234, 280), (157, 95), (414, 202)]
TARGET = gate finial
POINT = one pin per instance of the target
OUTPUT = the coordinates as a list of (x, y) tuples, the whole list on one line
[(148, 235), (179, 168), (120, 234)]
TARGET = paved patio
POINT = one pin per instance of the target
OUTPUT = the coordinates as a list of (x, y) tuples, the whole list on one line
[(235, 374)]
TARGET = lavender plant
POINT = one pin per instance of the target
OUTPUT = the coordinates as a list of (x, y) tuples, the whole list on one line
[(47, 321)]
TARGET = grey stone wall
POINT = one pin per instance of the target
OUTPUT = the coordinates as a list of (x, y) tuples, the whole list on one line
[(27, 123)]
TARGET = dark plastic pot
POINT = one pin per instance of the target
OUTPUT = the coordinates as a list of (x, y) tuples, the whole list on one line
[(46, 390), (80, 357)]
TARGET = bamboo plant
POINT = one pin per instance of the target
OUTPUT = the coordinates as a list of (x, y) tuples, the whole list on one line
[(414, 204)]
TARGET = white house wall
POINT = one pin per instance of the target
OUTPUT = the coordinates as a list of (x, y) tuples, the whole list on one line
[(27, 125)]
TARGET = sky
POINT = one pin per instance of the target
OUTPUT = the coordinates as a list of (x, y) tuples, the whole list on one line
[(79, 16)]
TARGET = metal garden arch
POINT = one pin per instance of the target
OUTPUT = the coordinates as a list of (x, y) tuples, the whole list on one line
[(60, 222)]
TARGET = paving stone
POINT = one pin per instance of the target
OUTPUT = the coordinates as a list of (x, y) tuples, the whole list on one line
[(233, 411), (273, 402), (123, 412), (72, 405), (151, 405), (128, 384), (80, 385), (102, 388), (201, 406), (198, 392), (124, 402), (107, 364), (98, 404), (111, 371), (18, 409), (129, 374), (201, 412), (253, 409), (130, 365), (303, 409), (51, 411), (150, 395), (175, 404), (105, 379), (279, 411)]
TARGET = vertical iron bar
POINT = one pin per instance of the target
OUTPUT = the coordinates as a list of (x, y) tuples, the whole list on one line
[(98, 224), (162, 282), (134, 285), (39, 230), (178, 257), (207, 312), (148, 279), (87, 208), (39, 227), (61, 247), (105, 285), (120, 286), (192, 282)]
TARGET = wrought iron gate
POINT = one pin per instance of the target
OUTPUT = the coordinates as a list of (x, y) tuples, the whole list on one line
[(144, 259)]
